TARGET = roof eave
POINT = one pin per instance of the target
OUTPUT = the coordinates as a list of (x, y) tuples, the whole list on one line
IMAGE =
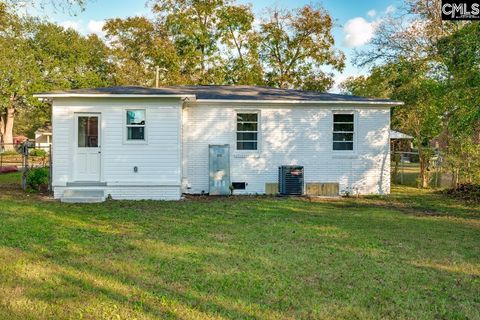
[(192, 98), (189, 97), (303, 102)]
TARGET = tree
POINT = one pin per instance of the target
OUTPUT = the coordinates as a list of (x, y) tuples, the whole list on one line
[(64, 5), (456, 53), (18, 71), (242, 42), (440, 100), (295, 45), (65, 60), (215, 42), (138, 46), (39, 56), (192, 26), (420, 116)]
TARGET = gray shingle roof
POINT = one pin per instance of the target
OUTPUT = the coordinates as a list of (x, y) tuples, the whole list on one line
[(249, 93)]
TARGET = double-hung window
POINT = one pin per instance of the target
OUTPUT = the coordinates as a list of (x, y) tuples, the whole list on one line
[(343, 131), (247, 131), (135, 124)]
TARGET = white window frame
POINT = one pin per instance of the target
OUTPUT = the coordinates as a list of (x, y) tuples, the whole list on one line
[(355, 131), (126, 126), (258, 132)]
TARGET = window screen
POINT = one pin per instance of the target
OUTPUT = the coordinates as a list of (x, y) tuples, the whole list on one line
[(343, 131), (135, 124), (247, 131)]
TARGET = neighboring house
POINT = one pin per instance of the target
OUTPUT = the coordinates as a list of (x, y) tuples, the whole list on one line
[(397, 135), (43, 137), (18, 140), (157, 143), (401, 145)]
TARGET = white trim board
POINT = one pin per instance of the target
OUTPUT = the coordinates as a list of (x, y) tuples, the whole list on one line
[(109, 95), (192, 99), (300, 102)]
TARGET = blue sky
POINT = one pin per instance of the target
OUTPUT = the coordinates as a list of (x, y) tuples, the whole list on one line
[(355, 20)]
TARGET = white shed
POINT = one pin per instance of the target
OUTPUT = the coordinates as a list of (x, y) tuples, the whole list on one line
[(159, 143), (43, 137)]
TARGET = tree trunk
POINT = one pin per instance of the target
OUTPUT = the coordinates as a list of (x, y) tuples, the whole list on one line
[(8, 131), (424, 159), (2, 128)]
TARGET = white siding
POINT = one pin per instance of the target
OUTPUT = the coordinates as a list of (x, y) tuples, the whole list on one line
[(290, 135), (158, 160), (175, 156)]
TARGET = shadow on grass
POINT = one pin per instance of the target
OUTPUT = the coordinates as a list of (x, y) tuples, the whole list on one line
[(237, 258)]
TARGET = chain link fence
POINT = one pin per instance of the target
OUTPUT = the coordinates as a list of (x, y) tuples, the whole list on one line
[(24, 157), (405, 170), (405, 167)]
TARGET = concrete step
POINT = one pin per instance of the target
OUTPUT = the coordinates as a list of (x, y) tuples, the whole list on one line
[(83, 196), (86, 184)]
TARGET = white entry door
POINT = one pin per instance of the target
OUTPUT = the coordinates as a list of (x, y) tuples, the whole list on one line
[(87, 147)]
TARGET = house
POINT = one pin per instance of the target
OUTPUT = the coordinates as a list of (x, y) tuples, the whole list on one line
[(18, 140), (159, 143), (401, 145), (43, 137), (397, 135)]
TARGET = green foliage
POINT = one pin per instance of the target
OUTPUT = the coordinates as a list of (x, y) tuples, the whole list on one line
[(190, 42), (457, 53), (192, 26), (185, 43), (37, 153), (295, 45), (215, 42), (10, 153), (243, 65), (40, 56), (37, 177), (64, 5), (434, 67), (138, 46), (463, 158), (407, 81)]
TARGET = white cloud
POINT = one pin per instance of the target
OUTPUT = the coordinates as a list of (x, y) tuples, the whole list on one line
[(372, 13), (390, 9), (70, 24), (96, 27), (358, 32)]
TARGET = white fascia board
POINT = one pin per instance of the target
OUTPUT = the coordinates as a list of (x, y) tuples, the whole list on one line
[(93, 95), (302, 102)]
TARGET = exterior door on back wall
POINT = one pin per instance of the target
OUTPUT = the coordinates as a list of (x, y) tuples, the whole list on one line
[(87, 147), (219, 163)]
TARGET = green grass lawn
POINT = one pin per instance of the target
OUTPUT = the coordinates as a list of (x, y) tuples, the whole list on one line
[(412, 255), (8, 179)]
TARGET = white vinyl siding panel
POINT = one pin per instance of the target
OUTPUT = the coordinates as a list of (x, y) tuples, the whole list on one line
[(175, 152), (158, 160), (293, 135)]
